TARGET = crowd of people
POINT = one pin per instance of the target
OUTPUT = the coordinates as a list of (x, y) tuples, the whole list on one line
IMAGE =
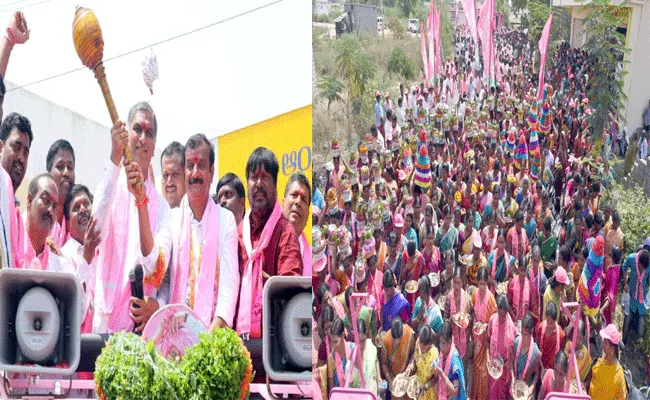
[(202, 249), (448, 244)]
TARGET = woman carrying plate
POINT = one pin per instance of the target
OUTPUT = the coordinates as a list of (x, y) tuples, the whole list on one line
[(340, 353), (425, 355), (554, 379), (458, 303), (426, 311), (526, 363), (500, 262), (483, 307), (501, 334), (448, 368), (447, 235)]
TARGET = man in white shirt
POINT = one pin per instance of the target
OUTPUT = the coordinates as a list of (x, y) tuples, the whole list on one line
[(401, 113), (172, 163), (377, 137), (82, 244), (205, 269), (135, 222)]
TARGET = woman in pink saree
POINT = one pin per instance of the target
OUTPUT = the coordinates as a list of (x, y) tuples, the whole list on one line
[(501, 334)]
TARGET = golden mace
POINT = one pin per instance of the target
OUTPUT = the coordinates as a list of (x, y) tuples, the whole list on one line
[(88, 41)]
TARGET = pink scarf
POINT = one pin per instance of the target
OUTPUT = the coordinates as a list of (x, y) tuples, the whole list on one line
[(446, 366), (111, 262), (520, 297), (500, 343), (249, 318), (515, 241), (33, 261), (59, 233), (16, 228), (639, 281), (306, 254), (506, 260), (530, 356), (557, 335), (204, 297), (462, 337)]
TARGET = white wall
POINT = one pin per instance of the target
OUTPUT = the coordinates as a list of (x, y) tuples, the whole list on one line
[(90, 139)]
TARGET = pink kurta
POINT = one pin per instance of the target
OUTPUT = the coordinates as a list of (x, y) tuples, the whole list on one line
[(502, 337)]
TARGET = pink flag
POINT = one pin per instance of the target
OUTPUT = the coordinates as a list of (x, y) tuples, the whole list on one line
[(430, 36), (485, 32), (423, 49), (438, 45), (543, 46), (470, 17)]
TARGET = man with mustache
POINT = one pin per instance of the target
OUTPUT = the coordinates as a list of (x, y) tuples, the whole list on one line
[(172, 163), (135, 223), (205, 269), (15, 141), (295, 208), (232, 195), (81, 247), (268, 244), (60, 163)]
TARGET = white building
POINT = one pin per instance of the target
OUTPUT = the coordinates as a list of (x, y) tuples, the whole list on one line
[(637, 29), (322, 7)]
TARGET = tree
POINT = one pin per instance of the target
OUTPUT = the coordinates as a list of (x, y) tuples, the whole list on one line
[(400, 64), (396, 27), (606, 53), (406, 6), (330, 88)]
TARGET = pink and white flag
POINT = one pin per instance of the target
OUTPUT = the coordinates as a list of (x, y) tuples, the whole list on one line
[(423, 49), (543, 47)]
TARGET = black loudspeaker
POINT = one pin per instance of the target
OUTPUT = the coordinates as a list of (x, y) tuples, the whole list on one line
[(40, 320), (287, 328)]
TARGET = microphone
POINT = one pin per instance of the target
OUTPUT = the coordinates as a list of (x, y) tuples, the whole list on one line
[(137, 288)]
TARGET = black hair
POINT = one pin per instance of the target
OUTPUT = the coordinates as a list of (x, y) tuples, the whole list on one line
[(389, 279), (598, 219), (551, 310), (74, 191), (143, 106), (361, 326), (589, 220), (502, 302), (20, 122), (644, 258), (616, 217), (337, 327), (397, 328), (320, 292), (547, 223), (445, 331), (425, 334), (562, 359), (328, 314), (57, 146), (424, 284), (527, 323), (519, 216), (262, 157), (231, 180), (174, 148), (195, 141), (410, 247), (348, 294), (482, 274), (302, 180), (565, 253)]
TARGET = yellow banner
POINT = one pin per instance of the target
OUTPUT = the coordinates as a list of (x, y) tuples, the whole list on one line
[(287, 135)]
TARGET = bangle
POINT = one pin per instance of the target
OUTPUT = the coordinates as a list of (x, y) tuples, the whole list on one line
[(11, 37), (144, 202)]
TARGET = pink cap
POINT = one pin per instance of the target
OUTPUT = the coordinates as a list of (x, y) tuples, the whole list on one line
[(611, 333), (399, 221), (377, 93), (561, 276)]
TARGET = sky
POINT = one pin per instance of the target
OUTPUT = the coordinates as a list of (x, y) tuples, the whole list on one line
[(236, 73)]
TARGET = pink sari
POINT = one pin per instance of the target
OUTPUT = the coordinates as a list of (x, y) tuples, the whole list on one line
[(502, 337), (610, 282), (460, 335)]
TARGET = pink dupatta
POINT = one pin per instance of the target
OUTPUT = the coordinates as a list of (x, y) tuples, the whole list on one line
[(205, 296), (462, 337), (249, 318), (446, 366)]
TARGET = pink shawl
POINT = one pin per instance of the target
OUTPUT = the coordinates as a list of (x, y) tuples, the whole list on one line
[(446, 366), (117, 291), (249, 318), (457, 332), (306, 255), (520, 298), (16, 226), (204, 298), (59, 232)]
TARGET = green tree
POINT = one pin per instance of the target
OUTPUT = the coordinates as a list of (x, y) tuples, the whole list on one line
[(606, 48), (330, 88), (397, 27), (407, 6), (401, 65)]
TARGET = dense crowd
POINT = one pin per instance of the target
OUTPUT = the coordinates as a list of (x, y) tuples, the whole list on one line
[(449, 244)]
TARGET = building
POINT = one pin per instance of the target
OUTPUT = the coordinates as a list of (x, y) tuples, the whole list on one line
[(322, 7), (637, 39), (357, 17)]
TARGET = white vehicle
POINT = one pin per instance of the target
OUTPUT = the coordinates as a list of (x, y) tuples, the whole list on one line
[(380, 24), (414, 25)]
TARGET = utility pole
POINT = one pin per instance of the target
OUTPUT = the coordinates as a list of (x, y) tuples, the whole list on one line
[(383, 23)]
